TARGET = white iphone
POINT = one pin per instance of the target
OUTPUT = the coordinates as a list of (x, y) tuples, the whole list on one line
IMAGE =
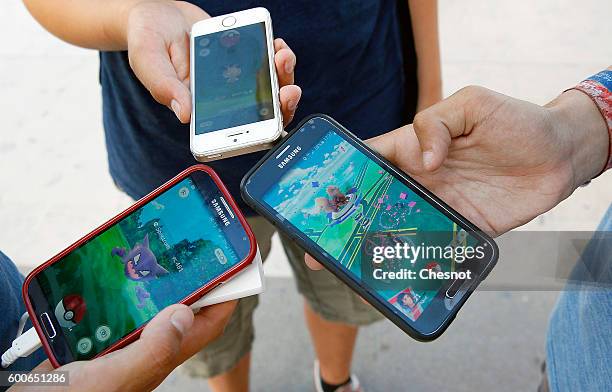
[(235, 101)]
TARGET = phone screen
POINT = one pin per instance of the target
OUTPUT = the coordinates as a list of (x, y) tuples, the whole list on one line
[(152, 258), (327, 189), (232, 78)]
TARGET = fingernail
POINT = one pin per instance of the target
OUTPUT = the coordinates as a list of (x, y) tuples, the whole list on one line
[(182, 319), (428, 158), (290, 66), (176, 108), (292, 105)]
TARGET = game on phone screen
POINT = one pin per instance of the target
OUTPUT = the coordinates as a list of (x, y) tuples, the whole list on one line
[(340, 199), (232, 81), (154, 257)]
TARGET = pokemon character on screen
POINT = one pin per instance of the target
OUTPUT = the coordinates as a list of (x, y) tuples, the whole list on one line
[(140, 263), (341, 206), (409, 303)]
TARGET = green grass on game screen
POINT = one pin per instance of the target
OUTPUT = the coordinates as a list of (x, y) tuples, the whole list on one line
[(333, 167), (183, 236)]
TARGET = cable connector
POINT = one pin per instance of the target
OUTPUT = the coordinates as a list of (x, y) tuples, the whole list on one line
[(23, 345)]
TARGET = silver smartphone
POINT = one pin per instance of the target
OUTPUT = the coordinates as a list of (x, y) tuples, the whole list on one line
[(235, 100)]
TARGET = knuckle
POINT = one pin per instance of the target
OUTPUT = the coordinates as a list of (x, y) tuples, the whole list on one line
[(421, 120), (472, 90)]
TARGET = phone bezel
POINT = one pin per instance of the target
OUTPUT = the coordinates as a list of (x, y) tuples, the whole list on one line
[(218, 143), (374, 299), (191, 298)]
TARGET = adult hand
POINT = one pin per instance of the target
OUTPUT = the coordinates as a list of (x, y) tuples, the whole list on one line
[(497, 160), (157, 36), (170, 338)]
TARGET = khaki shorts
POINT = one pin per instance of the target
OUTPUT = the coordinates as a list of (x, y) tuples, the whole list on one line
[(327, 296)]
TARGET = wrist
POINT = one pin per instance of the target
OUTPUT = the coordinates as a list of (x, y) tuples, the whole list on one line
[(578, 124), (116, 28)]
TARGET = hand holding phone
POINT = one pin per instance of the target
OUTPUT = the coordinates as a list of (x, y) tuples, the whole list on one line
[(159, 53), (402, 249), (171, 337), (237, 106), (174, 245)]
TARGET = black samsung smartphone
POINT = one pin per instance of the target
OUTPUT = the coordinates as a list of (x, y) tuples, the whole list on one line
[(392, 241)]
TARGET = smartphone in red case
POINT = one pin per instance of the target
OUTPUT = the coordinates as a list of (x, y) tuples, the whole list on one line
[(172, 246)]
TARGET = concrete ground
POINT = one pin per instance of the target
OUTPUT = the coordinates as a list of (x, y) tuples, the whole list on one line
[(55, 187)]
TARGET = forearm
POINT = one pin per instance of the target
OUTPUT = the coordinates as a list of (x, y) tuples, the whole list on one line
[(95, 24), (424, 17), (579, 123)]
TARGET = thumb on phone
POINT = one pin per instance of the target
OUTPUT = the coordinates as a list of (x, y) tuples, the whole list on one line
[(456, 116), (145, 363)]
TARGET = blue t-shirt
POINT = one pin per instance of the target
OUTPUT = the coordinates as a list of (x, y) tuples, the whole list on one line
[(350, 66)]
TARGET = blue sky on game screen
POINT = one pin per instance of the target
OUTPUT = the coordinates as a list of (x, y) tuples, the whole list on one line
[(331, 161)]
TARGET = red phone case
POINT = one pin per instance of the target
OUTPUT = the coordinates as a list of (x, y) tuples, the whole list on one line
[(188, 300)]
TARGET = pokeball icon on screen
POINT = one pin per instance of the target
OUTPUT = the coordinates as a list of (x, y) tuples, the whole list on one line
[(70, 310)]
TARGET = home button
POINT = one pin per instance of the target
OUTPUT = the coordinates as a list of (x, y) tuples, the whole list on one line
[(229, 21), (454, 288), (48, 325)]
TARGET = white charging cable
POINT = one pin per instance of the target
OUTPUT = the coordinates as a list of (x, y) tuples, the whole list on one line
[(25, 343)]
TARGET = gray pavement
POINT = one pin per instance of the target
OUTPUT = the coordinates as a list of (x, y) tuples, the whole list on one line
[(55, 187), (495, 344)]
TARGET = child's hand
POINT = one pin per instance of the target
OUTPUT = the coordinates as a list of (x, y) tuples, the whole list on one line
[(158, 49)]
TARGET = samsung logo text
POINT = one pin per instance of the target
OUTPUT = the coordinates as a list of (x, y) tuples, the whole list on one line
[(289, 157), (220, 212)]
